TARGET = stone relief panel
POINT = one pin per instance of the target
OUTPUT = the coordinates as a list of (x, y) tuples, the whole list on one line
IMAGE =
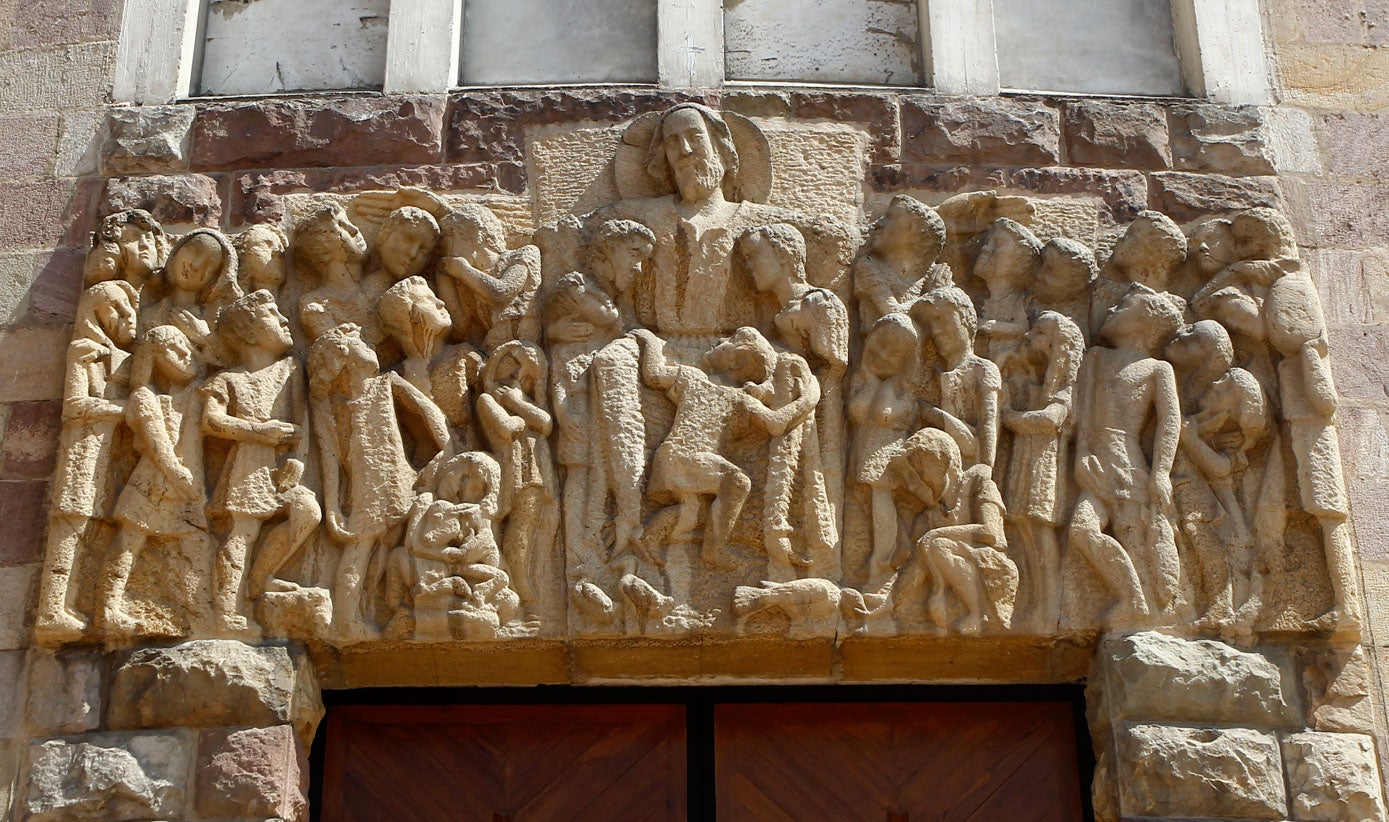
[(684, 411)]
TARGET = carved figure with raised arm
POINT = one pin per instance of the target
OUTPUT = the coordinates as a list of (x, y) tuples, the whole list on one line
[(329, 252), (514, 415), (128, 245), (1122, 522), (1038, 481), (260, 407), (368, 480), (94, 393), (967, 387), (164, 499), (484, 283), (899, 261)]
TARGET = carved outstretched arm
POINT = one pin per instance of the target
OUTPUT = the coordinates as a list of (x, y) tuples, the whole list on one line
[(413, 399), (1167, 410), (1046, 420), (79, 401), (534, 417), (1211, 462), (495, 290), (962, 432), (655, 371), (219, 423), (987, 430), (778, 421)]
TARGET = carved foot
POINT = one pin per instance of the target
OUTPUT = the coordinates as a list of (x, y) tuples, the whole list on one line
[(63, 626), (236, 626), (1339, 620), (118, 623)]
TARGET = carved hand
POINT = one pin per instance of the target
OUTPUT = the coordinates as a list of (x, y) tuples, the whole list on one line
[(337, 526)]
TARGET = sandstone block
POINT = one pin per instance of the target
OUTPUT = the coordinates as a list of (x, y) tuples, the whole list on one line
[(1333, 777), (1185, 197), (1369, 508), (23, 517), (30, 143), (1365, 443), (59, 78), (17, 586), (10, 752), (1337, 684), (30, 363), (147, 139), (992, 131), (336, 132), (16, 278), (65, 692), (1353, 285), (758, 103), (215, 683), (1349, 216), (54, 22), (878, 113), (32, 214), (30, 448), (1153, 677), (1200, 772), (79, 143), (190, 199), (1358, 362), (1117, 135), (1220, 139), (252, 772), (11, 694), (1356, 144), (57, 284), (109, 776), (257, 195)]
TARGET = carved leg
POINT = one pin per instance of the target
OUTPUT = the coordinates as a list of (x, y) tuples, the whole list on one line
[(58, 620), (936, 603), (284, 540), (130, 541), (1042, 555), (229, 595), (723, 513), (963, 578), (521, 526), (349, 624), (1340, 566), (885, 528), (1108, 558)]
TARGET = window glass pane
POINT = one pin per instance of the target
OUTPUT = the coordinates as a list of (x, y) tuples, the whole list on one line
[(287, 45), (1100, 46), (558, 41), (873, 42)]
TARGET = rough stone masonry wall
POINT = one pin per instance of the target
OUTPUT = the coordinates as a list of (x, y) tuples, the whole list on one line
[(68, 158)]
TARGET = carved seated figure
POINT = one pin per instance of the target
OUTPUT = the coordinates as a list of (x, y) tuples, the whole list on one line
[(446, 581), (958, 539)]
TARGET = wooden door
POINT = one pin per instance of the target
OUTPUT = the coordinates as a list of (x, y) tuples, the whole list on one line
[(929, 762), (505, 763)]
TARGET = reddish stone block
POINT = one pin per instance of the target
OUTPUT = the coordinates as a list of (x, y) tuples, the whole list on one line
[(1345, 216), (1185, 197), (30, 448), (84, 211), (984, 131), (757, 103), (1322, 22), (1220, 139), (1117, 135), (256, 195), (877, 112), (65, 22), (146, 139), (252, 772), (1356, 144), (323, 132), (185, 198), (32, 215), (23, 518), (30, 143), (57, 285)]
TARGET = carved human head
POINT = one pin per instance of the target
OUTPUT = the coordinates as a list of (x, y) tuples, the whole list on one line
[(950, 320), (774, 253), (196, 260), (261, 253), (891, 346), (618, 251), (1202, 345), (326, 238), (519, 364), (107, 312), (1058, 340), (912, 227), (1211, 246), (406, 242), (339, 351), (129, 245), (1068, 268), (163, 352), (746, 356), (1010, 255), (1151, 249), (1263, 234), (1239, 309), (471, 477), (472, 231), (1142, 320), (933, 458), (254, 321), (692, 148), (414, 316)]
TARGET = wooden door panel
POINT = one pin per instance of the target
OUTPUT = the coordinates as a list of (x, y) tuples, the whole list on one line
[(494, 763), (901, 762)]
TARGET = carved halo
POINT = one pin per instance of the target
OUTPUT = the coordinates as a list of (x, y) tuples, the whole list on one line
[(752, 182)]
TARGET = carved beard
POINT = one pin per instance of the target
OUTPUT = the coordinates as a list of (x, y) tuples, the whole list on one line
[(698, 177)]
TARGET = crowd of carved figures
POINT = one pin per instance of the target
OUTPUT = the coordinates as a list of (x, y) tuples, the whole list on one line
[(688, 412)]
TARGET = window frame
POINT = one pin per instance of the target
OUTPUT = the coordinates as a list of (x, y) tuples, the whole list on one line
[(1220, 46)]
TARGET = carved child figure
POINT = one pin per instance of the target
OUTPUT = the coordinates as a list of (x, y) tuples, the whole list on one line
[(480, 280), (260, 406), (164, 497), (404, 245), (93, 406), (968, 386), (1122, 523), (898, 263)]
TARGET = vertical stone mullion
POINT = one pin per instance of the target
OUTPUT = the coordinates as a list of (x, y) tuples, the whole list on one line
[(157, 51), (958, 44), (690, 43), (422, 46), (1221, 47)]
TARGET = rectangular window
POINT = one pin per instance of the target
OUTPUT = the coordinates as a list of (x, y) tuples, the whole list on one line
[(1088, 46), (870, 42), (269, 46), (519, 42)]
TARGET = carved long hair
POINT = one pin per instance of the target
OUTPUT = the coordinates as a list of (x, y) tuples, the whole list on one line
[(106, 260), (223, 288), (1064, 355), (786, 241), (328, 357), (531, 371), (399, 310), (441, 478), (658, 167), (928, 231), (87, 325)]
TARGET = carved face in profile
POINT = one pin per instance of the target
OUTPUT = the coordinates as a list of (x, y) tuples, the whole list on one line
[(329, 237), (174, 359), (1007, 258), (1064, 274), (116, 314), (690, 151), (268, 327), (262, 259), (746, 357), (625, 256), (763, 261), (1212, 247), (195, 263), (414, 316)]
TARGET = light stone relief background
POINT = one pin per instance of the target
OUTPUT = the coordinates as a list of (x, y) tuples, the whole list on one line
[(71, 160)]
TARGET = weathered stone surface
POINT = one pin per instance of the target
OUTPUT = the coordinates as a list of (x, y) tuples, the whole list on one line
[(191, 199), (1200, 772), (252, 772), (1154, 677), (16, 594), (12, 694), (1337, 684), (994, 131), (32, 214), (147, 139), (1185, 197), (214, 683), (1347, 215), (11, 751), (30, 143), (1353, 285), (79, 144), (56, 22), (1369, 505), (878, 113), (60, 78), (109, 776), (1333, 777), (23, 515), (1220, 139), (257, 196), (57, 283), (1356, 144), (1117, 135), (1358, 361), (325, 132), (1124, 193), (758, 102), (66, 687), (31, 440)]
